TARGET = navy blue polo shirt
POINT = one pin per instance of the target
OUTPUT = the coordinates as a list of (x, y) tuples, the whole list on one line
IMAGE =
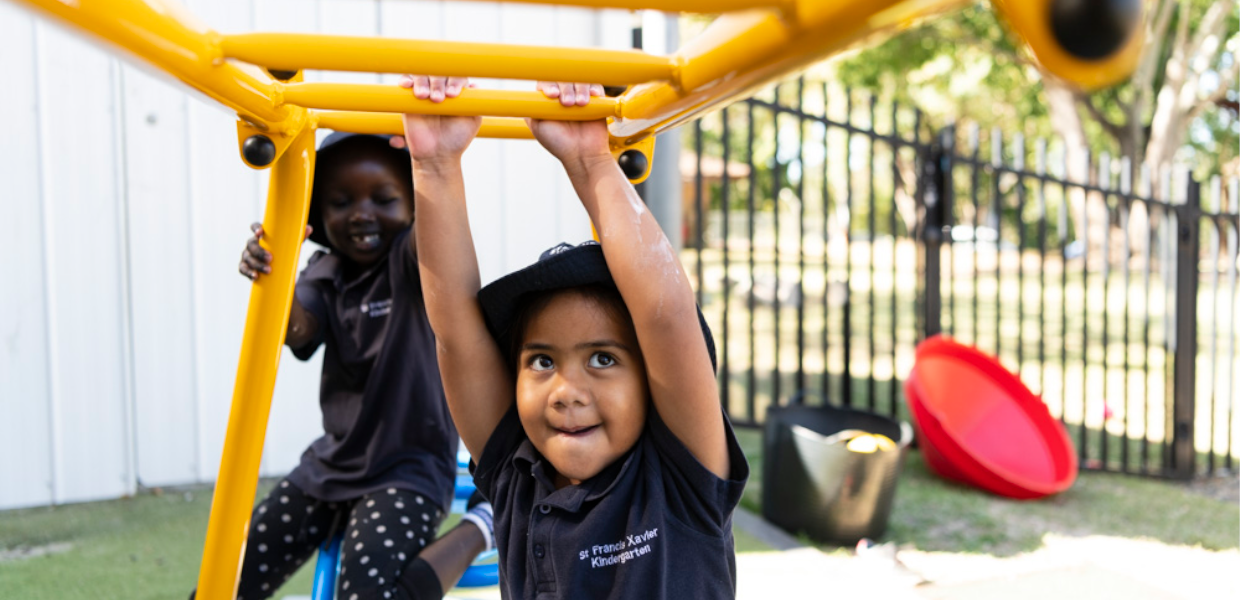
[(654, 525), (385, 418)]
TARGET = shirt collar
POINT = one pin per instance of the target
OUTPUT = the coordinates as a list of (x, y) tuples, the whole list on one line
[(527, 460), (325, 266)]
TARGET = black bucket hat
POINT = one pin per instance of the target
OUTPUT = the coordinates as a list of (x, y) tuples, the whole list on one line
[(561, 267), (331, 147)]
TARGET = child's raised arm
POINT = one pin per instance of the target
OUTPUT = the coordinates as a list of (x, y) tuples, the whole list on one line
[(475, 380), (654, 287)]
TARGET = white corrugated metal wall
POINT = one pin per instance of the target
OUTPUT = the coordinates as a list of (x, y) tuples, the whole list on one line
[(125, 208)]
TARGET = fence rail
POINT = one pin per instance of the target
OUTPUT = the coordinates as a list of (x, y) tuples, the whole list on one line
[(834, 236)]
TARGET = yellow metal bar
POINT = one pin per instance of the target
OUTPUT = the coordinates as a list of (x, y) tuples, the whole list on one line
[(471, 102), (740, 52), (288, 203), (687, 6), (168, 38), (391, 124), (291, 52)]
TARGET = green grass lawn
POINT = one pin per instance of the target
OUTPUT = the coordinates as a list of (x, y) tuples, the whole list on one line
[(148, 546), (933, 514)]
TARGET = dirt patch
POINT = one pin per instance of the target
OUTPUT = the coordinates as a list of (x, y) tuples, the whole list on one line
[(27, 552), (1225, 488)]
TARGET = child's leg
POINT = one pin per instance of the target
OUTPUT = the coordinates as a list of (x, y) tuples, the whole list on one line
[(390, 550), (285, 529), (386, 530)]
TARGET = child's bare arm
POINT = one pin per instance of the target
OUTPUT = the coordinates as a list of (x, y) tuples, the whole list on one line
[(654, 287), (476, 382), (255, 262)]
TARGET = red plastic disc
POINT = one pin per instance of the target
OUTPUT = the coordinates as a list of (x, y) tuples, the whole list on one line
[(981, 426)]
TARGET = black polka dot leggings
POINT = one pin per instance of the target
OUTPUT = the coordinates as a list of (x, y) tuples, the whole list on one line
[(383, 534)]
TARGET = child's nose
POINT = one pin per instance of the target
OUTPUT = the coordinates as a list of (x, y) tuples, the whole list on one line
[(569, 390), (362, 213)]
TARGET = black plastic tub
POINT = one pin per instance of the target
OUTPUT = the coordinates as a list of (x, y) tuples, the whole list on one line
[(812, 483)]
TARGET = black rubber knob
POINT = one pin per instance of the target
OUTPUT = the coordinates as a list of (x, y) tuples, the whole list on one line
[(281, 74), (614, 90), (258, 150), (1094, 29), (633, 163)]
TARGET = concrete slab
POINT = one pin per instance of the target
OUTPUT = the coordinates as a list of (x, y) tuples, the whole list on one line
[(1086, 581)]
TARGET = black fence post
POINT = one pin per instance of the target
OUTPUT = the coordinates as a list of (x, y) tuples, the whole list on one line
[(934, 198), (1188, 231)]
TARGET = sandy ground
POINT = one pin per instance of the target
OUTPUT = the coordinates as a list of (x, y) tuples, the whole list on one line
[(1063, 568)]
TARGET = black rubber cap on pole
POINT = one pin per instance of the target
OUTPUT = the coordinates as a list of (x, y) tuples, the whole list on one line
[(258, 150), (1094, 29), (633, 163)]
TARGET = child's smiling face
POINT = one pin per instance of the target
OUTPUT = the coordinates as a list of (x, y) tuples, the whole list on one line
[(364, 203), (581, 386)]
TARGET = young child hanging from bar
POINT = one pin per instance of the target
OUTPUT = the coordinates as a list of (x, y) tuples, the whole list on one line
[(384, 470), (584, 382)]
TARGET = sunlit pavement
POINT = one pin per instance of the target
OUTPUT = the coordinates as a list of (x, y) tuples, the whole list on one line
[(1063, 568)]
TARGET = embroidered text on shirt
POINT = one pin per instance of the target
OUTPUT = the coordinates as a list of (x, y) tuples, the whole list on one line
[(378, 308), (631, 547)]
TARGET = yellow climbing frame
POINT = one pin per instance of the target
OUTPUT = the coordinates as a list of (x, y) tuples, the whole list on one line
[(258, 75)]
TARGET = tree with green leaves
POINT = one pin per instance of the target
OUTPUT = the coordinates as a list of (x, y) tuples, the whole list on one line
[(1180, 103)]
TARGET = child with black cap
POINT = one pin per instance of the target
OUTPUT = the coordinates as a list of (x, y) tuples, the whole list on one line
[(584, 383), (384, 470)]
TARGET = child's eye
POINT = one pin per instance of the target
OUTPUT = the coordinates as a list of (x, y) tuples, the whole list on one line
[(602, 360), (338, 201), (541, 362), (387, 199)]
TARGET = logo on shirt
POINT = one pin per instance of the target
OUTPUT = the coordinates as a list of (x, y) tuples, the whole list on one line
[(378, 308), (630, 548)]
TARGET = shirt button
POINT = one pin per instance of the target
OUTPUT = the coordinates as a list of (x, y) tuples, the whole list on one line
[(544, 509), (539, 552)]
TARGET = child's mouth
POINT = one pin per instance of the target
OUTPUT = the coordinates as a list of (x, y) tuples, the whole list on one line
[(576, 431), (365, 241)]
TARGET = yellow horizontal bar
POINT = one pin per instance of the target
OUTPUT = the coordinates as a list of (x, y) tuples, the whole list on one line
[(292, 52), (167, 37), (688, 6), (391, 124), (471, 102), (741, 52)]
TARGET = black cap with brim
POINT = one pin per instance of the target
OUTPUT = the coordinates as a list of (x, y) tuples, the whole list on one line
[(332, 144), (561, 267)]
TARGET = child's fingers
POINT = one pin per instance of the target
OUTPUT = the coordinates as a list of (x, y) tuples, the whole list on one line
[(421, 86), (567, 94), (310, 229), (455, 85), (397, 142), (255, 263), (406, 81), (549, 89), (596, 89), (257, 229), (437, 89), (252, 248), (583, 93)]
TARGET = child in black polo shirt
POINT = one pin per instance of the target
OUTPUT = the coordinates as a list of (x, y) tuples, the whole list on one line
[(585, 383), (384, 470)]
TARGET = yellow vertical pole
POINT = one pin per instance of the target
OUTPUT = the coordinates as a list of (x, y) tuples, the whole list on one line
[(288, 203)]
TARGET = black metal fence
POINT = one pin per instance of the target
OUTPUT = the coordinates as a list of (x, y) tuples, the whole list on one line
[(829, 233)]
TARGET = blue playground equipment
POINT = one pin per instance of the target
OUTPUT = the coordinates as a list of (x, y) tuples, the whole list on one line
[(482, 573)]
